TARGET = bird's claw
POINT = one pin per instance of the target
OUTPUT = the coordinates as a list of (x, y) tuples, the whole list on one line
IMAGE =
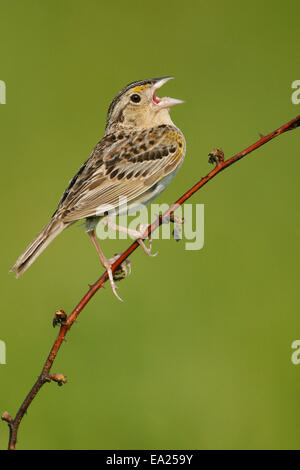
[(112, 282), (121, 271), (145, 249), (140, 239)]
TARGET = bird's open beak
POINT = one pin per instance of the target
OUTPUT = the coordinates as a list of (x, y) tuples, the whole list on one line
[(166, 102)]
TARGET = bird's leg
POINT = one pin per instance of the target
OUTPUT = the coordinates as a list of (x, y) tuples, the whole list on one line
[(139, 235), (106, 263), (123, 270)]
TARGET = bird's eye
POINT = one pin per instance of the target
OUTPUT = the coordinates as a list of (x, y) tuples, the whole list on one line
[(135, 98)]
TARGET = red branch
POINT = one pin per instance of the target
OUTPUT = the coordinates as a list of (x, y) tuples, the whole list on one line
[(66, 322)]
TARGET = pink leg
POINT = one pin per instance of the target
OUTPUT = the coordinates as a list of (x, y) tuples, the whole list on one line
[(137, 234), (106, 263)]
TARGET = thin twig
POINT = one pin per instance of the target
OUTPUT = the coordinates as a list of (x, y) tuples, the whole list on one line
[(66, 322)]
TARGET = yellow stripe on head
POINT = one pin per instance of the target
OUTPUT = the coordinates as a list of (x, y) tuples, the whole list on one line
[(137, 89)]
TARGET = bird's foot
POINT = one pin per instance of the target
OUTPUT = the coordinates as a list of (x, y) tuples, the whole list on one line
[(107, 264), (141, 236), (123, 270)]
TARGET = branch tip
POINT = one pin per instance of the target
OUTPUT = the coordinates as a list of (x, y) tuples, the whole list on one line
[(60, 379), (6, 417)]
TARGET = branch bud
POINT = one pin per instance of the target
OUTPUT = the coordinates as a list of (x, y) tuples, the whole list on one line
[(6, 417), (60, 379), (216, 156), (60, 318)]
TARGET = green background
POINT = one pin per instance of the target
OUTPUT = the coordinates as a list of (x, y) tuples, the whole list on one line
[(199, 353)]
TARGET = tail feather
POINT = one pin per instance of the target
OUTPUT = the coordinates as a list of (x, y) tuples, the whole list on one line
[(49, 232)]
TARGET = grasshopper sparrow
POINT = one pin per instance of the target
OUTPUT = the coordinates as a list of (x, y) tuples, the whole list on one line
[(140, 153)]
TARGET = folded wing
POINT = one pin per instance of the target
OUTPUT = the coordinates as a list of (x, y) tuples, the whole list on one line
[(123, 165)]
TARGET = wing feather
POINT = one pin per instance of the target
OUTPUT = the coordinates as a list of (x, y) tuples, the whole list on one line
[(125, 168)]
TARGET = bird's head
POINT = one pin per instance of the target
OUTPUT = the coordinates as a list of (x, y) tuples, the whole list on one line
[(137, 106)]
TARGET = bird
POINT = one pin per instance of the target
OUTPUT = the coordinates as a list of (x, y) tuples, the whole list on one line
[(139, 155)]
